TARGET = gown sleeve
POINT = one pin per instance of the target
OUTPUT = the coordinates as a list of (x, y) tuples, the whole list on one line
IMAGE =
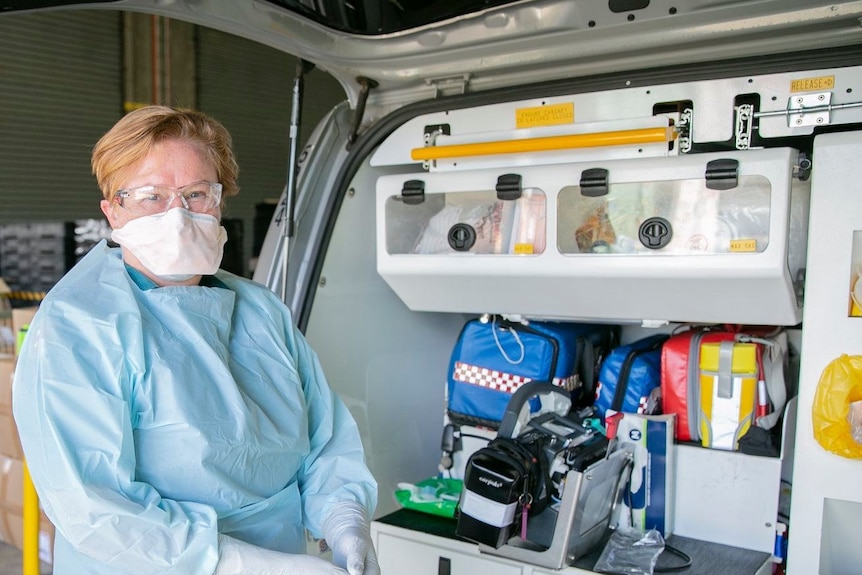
[(335, 470)]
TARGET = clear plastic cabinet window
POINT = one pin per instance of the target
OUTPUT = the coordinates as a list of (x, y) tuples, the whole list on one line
[(474, 222), (675, 217)]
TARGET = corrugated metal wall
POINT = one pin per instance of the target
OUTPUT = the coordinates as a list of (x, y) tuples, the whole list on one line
[(60, 89)]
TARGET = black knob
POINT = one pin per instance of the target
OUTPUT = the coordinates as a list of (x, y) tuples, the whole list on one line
[(462, 237), (655, 233)]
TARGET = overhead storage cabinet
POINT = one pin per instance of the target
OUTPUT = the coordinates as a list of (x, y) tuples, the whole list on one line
[(718, 237)]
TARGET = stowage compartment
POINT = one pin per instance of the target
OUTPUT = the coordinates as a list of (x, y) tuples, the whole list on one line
[(667, 239)]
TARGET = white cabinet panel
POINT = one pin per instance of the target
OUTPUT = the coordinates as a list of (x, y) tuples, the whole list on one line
[(826, 494), (401, 556)]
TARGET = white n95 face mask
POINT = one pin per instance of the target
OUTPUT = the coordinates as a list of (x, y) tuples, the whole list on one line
[(176, 245)]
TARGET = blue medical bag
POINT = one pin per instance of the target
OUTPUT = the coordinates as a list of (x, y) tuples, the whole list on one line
[(630, 378), (493, 357)]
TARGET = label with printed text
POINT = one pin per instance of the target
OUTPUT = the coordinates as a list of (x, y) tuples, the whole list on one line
[(552, 115), (738, 246), (810, 84)]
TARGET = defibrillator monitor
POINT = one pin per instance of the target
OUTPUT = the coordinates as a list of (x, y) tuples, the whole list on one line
[(562, 428)]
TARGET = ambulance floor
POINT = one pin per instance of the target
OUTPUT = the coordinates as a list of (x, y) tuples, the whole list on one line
[(10, 562)]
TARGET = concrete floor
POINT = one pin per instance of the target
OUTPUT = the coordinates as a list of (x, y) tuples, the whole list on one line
[(10, 562)]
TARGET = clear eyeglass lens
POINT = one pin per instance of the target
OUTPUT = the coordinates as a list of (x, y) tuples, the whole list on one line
[(197, 197)]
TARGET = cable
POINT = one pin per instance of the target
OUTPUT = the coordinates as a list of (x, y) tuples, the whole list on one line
[(500, 346), (675, 568), (447, 459), (483, 438), (669, 548)]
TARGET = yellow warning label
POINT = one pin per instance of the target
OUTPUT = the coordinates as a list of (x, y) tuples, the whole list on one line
[(743, 246), (545, 115), (523, 248), (809, 84)]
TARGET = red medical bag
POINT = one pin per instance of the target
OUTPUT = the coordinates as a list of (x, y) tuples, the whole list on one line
[(681, 374), (680, 384)]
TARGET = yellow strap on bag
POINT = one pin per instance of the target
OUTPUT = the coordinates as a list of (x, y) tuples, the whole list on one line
[(839, 388), (728, 392)]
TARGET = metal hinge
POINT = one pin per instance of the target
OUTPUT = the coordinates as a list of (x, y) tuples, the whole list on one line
[(684, 128), (809, 110), (744, 121), (429, 137), (449, 85)]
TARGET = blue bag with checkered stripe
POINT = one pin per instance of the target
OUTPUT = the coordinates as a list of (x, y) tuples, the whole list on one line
[(494, 356)]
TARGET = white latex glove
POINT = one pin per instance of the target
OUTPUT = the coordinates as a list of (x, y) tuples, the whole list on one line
[(237, 557), (347, 534)]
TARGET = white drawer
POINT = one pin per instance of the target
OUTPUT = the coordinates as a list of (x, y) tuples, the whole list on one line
[(402, 556)]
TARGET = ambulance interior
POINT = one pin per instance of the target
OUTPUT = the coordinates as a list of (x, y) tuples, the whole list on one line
[(390, 296)]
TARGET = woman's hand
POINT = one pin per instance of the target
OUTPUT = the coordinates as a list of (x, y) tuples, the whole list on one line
[(347, 534)]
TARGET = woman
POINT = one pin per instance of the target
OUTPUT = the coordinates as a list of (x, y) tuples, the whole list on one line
[(172, 417)]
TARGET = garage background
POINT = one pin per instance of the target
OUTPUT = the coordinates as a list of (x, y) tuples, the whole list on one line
[(66, 77)]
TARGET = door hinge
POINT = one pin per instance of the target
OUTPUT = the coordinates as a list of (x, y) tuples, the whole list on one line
[(684, 128), (813, 109), (744, 124)]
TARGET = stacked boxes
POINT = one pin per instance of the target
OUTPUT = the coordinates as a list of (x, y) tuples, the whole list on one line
[(7, 336), (12, 459), (9, 444), (11, 510)]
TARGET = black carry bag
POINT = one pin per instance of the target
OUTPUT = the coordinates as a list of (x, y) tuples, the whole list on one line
[(510, 479), (547, 478)]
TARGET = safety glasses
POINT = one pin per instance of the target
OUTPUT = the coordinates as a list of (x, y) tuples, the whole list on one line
[(198, 197)]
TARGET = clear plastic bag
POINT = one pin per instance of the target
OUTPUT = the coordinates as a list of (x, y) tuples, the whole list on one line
[(630, 552), (837, 409), (855, 418)]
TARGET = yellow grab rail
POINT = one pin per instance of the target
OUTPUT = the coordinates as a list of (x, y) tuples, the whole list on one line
[(30, 546), (547, 143)]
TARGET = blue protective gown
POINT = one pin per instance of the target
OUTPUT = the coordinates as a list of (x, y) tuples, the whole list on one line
[(154, 419)]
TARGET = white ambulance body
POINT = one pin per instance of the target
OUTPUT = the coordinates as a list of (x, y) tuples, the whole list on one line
[(738, 124)]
